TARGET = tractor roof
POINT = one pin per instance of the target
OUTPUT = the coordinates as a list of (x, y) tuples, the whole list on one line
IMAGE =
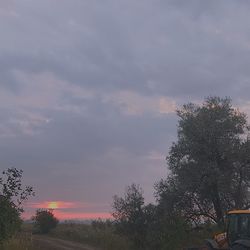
[(239, 212)]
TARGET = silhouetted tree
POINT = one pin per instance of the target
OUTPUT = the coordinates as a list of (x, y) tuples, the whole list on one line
[(147, 226), (209, 163), (12, 196), (129, 215), (10, 220), (44, 221)]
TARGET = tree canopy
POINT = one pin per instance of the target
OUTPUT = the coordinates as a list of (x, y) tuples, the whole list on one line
[(209, 162), (12, 196), (44, 221), (129, 215)]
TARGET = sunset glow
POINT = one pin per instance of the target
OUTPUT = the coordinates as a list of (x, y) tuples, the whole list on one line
[(68, 210), (56, 205), (53, 205)]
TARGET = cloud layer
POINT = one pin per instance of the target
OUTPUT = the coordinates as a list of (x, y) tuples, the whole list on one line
[(89, 89)]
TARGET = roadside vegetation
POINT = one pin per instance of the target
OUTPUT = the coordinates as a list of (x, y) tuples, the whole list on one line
[(44, 221), (21, 241), (12, 196), (100, 234), (103, 237)]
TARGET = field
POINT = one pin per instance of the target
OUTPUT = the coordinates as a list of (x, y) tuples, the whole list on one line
[(69, 236), (98, 236), (22, 241)]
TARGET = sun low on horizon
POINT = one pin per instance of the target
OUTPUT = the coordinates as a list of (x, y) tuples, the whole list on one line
[(53, 205), (68, 210)]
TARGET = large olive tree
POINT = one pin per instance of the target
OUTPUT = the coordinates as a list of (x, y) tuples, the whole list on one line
[(209, 163)]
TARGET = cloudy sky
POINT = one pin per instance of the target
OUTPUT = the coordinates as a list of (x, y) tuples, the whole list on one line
[(89, 89)]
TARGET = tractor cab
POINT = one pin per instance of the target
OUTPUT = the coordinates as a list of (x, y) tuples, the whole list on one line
[(236, 235), (238, 229)]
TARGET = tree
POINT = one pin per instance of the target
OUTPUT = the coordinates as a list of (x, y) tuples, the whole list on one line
[(9, 219), (209, 163), (12, 196), (44, 221), (147, 226), (129, 215)]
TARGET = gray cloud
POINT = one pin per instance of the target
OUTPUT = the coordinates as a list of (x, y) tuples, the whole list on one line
[(88, 88)]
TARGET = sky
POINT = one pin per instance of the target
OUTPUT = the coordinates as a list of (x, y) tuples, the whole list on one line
[(89, 90)]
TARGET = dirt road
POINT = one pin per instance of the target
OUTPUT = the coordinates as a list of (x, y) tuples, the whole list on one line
[(48, 243)]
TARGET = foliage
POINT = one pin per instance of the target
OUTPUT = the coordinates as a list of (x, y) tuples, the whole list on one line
[(9, 219), (209, 163), (168, 232), (147, 226), (100, 224), (130, 217), (12, 196), (44, 221), (12, 189)]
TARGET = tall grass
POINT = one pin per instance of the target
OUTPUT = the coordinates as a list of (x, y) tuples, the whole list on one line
[(22, 241), (99, 235)]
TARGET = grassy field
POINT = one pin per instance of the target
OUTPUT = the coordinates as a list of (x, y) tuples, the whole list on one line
[(99, 235), (22, 241)]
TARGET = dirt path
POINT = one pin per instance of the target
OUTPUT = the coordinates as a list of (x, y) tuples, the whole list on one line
[(48, 243)]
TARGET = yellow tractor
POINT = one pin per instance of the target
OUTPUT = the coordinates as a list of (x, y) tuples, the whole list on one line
[(236, 235)]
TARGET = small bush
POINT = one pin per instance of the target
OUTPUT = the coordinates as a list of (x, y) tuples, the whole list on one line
[(44, 221)]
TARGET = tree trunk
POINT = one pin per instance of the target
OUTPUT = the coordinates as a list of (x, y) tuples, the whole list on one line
[(239, 194), (217, 205)]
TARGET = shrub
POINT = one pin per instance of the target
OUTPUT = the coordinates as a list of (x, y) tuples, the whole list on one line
[(131, 215), (12, 196), (44, 221), (10, 221)]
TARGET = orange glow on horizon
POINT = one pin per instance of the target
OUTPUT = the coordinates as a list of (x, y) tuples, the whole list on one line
[(53, 205), (69, 210)]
